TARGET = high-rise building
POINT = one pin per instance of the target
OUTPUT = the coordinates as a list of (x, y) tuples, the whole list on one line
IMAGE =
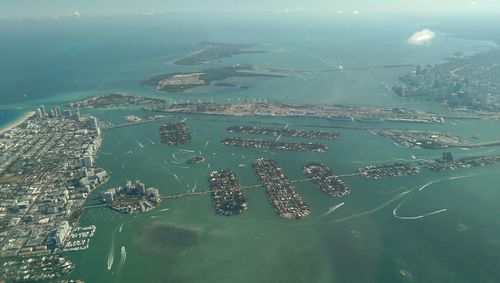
[(109, 195), (57, 110), (68, 113), (87, 161), (94, 125), (42, 108), (140, 187), (77, 114), (39, 113)]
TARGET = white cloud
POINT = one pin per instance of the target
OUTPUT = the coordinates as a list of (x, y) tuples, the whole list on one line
[(355, 12), (76, 14), (423, 37)]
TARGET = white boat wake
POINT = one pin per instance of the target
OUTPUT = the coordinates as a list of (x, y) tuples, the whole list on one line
[(395, 198), (111, 254), (395, 213), (140, 144), (120, 229), (331, 210), (395, 210), (177, 178)]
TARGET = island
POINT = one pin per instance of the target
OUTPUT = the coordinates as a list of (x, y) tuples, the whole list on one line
[(286, 201), (278, 132), (110, 100), (227, 197), (132, 197), (423, 139), (181, 81), (376, 172), (211, 51), (326, 179), (274, 109), (195, 160), (175, 133), (279, 145), (448, 162)]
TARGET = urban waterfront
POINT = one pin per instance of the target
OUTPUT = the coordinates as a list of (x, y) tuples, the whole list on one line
[(431, 227)]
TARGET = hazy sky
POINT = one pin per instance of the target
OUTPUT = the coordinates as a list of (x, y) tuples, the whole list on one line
[(82, 8)]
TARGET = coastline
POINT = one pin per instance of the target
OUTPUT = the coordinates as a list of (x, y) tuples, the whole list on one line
[(17, 122)]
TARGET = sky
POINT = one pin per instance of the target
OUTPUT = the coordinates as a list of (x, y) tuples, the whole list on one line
[(20, 9)]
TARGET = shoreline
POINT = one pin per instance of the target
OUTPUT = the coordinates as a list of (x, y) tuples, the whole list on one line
[(17, 122)]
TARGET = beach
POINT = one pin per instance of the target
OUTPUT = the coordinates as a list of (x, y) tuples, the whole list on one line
[(17, 122)]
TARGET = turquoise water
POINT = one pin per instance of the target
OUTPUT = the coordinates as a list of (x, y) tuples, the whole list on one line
[(361, 241)]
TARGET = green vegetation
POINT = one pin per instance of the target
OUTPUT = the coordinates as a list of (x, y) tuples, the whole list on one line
[(213, 51)]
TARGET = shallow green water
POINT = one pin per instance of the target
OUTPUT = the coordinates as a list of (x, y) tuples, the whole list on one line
[(361, 241)]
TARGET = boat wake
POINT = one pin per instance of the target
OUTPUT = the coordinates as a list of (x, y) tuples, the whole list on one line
[(111, 254), (123, 258), (428, 184), (373, 210), (395, 210), (120, 229), (177, 178), (332, 209), (395, 213), (139, 144)]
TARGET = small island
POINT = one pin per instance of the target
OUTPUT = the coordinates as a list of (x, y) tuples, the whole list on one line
[(181, 81), (175, 134), (132, 198), (111, 100), (195, 160), (211, 51)]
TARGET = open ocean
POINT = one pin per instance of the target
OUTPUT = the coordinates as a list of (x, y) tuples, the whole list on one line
[(53, 62)]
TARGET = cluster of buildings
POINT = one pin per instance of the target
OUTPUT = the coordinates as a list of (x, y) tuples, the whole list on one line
[(423, 139), (227, 196), (269, 144), (282, 195), (302, 133), (326, 179), (376, 172), (447, 162), (456, 83), (334, 112), (47, 164), (175, 133), (131, 198), (46, 268)]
